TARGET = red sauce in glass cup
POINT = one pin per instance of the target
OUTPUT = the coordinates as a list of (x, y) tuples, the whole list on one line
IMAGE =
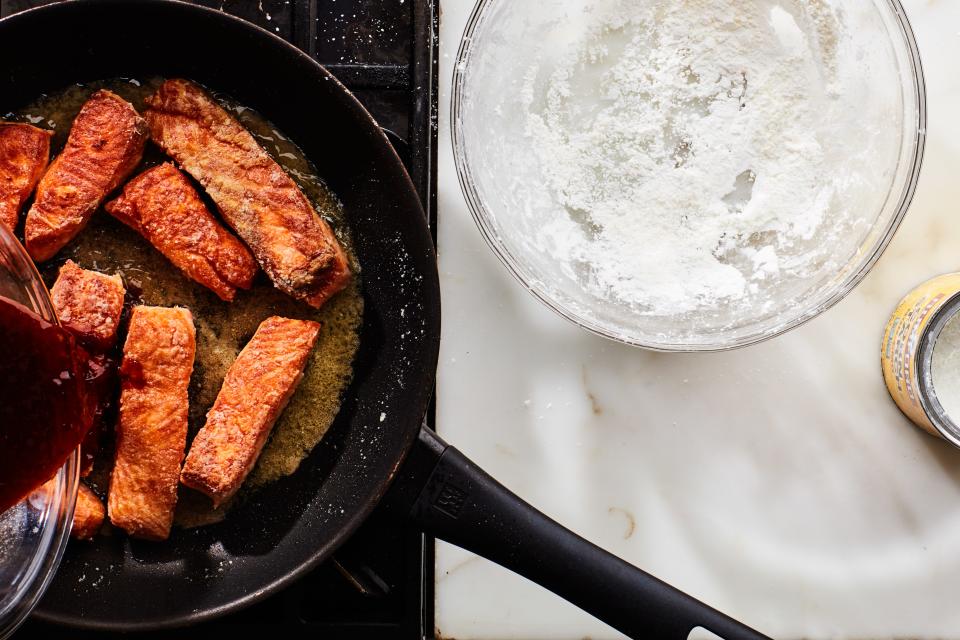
[(45, 410)]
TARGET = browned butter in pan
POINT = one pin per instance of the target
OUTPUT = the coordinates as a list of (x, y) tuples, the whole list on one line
[(223, 328)]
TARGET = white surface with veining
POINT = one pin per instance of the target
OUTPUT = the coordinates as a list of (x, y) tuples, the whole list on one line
[(778, 483)]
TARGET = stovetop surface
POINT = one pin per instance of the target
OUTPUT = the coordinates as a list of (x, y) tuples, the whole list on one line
[(379, 585)]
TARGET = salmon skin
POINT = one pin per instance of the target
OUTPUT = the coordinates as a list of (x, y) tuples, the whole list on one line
[(152, 431), (105, 145), (255, 392), (24, 155), (266, 208), (162, 206)]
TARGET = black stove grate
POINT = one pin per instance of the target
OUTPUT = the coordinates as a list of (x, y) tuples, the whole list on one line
[(380, 585)]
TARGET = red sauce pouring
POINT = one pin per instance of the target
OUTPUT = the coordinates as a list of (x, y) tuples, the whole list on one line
[(44, 408)]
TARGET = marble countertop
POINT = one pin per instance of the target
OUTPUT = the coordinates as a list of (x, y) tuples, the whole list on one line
[(778, 483)]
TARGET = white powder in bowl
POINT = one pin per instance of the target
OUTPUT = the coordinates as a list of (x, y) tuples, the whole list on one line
[(683, 142), (703, 161)]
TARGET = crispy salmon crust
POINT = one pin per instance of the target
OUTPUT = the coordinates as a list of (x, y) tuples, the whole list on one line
[(293, 245), (255, 392), (88, 514), (105, 144), (152, 431), (88, 304), (164, 208), (24, 155)]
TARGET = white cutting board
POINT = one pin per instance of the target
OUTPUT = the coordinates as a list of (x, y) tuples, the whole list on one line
[(778, 483)]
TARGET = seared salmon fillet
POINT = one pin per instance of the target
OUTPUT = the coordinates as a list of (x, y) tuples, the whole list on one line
[(105, 144), (255, 392), (152, 431), (266, 208), (164, 208), (24, 154), (88, 514), (88, 304)]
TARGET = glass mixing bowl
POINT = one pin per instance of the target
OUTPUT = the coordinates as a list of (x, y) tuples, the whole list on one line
[(502, 181), (33, 534)]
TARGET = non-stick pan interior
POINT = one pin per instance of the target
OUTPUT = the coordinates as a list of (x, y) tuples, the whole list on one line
[(284, 528)]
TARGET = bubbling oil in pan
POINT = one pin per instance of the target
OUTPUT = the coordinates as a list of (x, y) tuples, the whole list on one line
[(223, 328)]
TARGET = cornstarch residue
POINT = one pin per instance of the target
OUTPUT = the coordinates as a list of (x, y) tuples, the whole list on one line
[(707, 158)]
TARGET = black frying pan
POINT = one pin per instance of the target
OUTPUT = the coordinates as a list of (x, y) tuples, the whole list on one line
[(290, 526)]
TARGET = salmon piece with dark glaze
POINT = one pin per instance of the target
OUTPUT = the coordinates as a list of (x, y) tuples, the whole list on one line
[(105, 145), (24, 155), (155, 374), (162, 206), (264, 206), (255, 392)]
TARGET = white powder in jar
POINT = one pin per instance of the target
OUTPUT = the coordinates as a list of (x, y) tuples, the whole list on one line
[(699, 153), (945, 368)]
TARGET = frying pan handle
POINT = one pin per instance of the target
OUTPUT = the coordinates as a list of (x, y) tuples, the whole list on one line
[(465, 506)]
